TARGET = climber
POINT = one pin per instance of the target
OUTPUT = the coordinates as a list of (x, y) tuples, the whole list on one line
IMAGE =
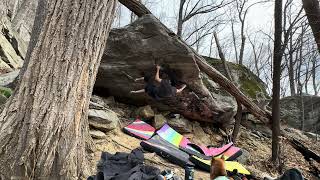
[(163, 90)]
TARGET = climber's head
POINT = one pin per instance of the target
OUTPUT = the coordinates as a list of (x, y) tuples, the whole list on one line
[(147, 77), (217, 168)]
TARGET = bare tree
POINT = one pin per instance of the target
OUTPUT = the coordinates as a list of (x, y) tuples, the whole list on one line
[(257, 54), (44, 126), (197, 8), (243, 8), (276, 81), (314, 76)]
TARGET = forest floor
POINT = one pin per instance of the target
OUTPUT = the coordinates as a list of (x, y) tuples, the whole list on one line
[(257, 158)]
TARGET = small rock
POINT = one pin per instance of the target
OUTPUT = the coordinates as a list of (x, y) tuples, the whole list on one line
[(97, 134), (104, 120), (8, 78), (159, 121), (181, 124), (110, 100), (144, 112), (8, 54), (200, 136), (98, 100), (93, 105), (244, 158)]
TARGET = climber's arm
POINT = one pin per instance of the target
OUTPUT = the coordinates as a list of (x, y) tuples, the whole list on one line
[(138, 91), (157, 77), (139, 79), (181, 89)]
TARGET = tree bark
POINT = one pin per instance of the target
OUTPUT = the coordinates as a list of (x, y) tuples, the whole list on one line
[(44, 126), (291, 67), (243, 43), (136, 7), (216, 76), (236, 128), (180, 18), (312, 10), (314, 76), (234, 40), (276, 81)]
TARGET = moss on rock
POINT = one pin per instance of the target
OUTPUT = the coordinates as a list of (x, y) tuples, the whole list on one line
[(249, 83), (5, 91)]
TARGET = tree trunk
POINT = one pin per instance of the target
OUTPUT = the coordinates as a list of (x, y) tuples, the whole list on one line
[(243, 42), (302, 116), (276, 81), (216, 76), (223, 59), (291, 69), (314, 76), (238, 117), (180, 18), (236, 128), (234, 41), (44, 126), (312, 10)]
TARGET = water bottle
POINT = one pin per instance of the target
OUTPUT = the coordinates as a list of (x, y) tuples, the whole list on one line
[(188, 172)]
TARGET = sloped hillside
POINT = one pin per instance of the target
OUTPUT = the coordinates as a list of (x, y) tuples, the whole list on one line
[(256, 145)]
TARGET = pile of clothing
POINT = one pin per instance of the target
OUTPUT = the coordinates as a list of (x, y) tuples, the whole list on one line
[(128, 166)]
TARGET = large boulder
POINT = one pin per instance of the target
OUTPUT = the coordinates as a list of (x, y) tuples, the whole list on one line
[(134, 50), (291, 113)]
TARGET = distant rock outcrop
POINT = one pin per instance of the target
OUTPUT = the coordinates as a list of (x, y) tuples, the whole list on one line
[(292, 115)]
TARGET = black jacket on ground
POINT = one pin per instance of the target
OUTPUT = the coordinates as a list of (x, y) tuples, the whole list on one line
[(124, 166)]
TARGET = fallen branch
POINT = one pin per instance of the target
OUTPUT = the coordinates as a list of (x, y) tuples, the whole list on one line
[(306, 152)]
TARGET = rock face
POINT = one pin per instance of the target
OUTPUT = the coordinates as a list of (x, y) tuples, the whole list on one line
[(292, 115), (248, 82), (132, 51)]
